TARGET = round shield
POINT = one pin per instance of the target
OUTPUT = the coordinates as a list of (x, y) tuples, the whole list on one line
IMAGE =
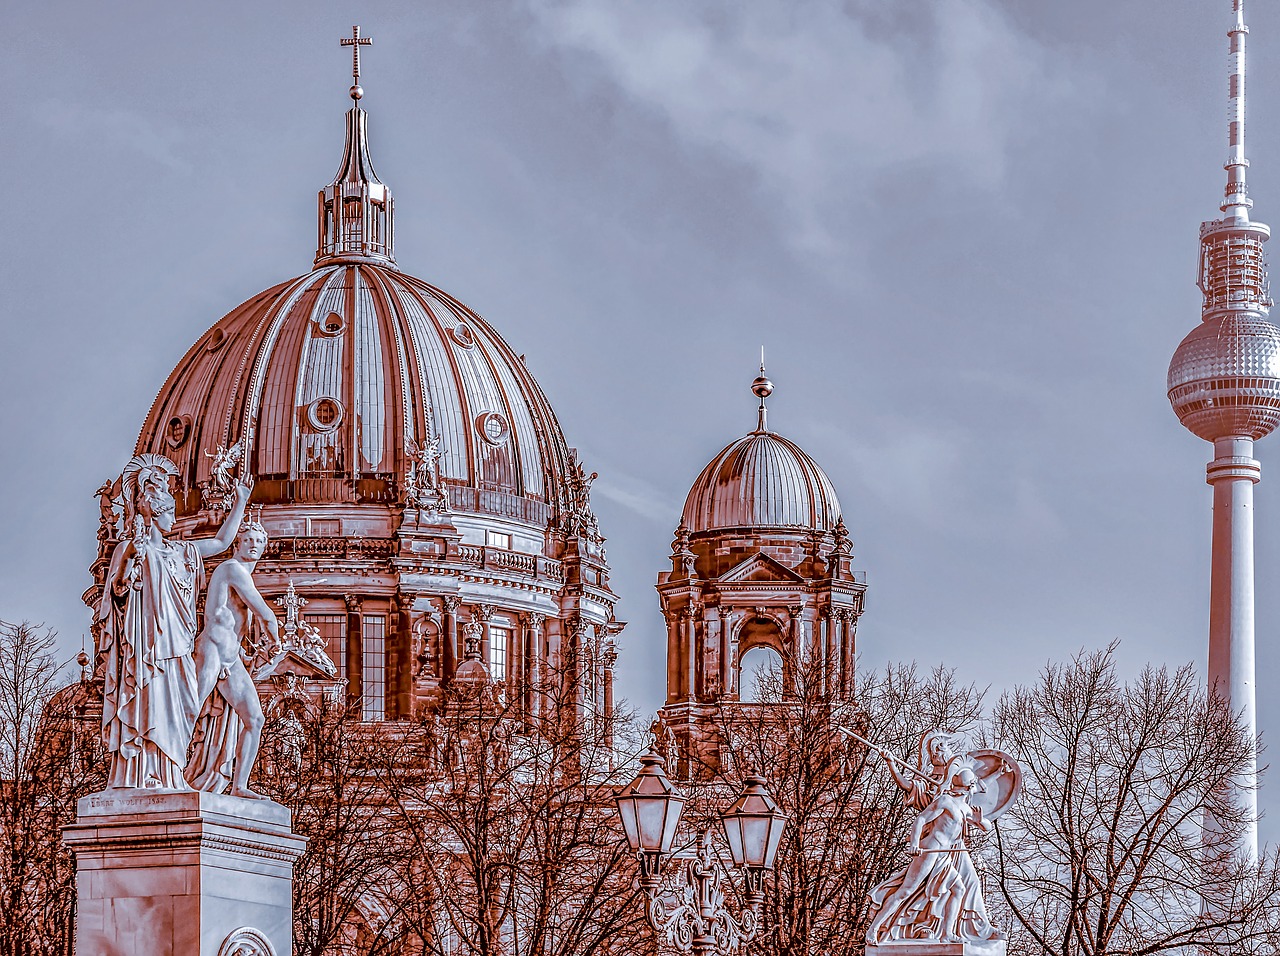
[(999, 780)]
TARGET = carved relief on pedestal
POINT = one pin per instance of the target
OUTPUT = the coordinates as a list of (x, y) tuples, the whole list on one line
[(246, 941)]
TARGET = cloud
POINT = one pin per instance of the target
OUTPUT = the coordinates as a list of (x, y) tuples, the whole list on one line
[(121, 128), (821, 98), (637, 496)]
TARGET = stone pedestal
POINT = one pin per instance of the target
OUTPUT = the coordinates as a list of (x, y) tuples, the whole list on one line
[(927, 947), (173, 873)]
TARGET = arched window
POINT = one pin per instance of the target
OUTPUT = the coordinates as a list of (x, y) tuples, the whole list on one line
[(760, 675)]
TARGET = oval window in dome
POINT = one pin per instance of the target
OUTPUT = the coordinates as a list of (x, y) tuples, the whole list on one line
[(461, 333), (325, 414), (176, 432), (217, 339), (331, 324), (493, 428)]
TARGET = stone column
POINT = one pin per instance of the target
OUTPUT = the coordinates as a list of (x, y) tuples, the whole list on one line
[(449, 640), (485, 613), (794, 638), (355, 647), (673, 656), (826, 641), (726, 652), (610, 658), (400, 659), (536, 664), (689, 644), (848, 622), (182, 872)]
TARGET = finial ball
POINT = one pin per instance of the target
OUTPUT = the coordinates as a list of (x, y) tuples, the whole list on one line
[(761, 387), (82, 659), (357, 91)]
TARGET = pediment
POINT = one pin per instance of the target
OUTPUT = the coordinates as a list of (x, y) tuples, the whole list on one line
[(760, 569), (292, 662)]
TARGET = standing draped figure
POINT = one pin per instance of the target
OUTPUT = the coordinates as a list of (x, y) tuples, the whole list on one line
[(148, 615)]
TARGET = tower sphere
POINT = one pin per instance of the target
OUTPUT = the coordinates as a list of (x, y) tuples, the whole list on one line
[(761, 387), (1224, 379)]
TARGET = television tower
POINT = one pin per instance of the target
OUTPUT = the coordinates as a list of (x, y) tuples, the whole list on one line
[(1224, 386)]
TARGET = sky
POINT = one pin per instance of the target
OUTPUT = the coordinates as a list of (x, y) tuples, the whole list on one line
[(964, 230)]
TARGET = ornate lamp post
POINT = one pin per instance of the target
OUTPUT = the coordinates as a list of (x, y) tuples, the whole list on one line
[(691, 913)]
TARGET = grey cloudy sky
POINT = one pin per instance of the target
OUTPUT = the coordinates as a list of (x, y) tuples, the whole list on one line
[(964, 229)]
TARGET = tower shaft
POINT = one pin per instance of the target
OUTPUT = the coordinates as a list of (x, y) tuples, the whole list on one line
[(1233, 473)]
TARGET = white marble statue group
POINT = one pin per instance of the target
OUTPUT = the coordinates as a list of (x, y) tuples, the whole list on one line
[(937, 896), (180, 710)]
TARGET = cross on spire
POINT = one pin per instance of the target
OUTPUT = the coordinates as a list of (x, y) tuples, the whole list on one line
[(356, 41)]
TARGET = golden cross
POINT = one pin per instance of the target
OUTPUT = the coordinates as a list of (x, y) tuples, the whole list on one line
[(356, 41)]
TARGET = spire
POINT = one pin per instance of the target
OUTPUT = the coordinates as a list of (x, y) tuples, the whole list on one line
[(762, 388), (1237, 202), (356, 214), (1233, 267)]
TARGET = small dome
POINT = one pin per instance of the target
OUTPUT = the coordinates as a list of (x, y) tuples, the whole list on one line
[(761, 481), (1224, 379)]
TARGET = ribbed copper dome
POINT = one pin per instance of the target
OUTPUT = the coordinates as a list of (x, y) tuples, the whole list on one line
[(761, 481), (332, 374)]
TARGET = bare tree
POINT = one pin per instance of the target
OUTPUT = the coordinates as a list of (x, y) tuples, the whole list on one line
[(343, 884), (1105, 852), (847, 822), (517, 850), (49, 757)]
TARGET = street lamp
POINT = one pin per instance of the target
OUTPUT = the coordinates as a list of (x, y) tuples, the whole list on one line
[(691, 913)]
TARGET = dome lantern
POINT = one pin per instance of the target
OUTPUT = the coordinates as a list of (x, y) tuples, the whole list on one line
[(356, 212)]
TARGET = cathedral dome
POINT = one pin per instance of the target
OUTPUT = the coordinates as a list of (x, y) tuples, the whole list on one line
[(331, 379), (762, 480), (331, 385)]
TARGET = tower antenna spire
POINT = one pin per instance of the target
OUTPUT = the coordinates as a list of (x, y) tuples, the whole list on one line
[(1237, 202)]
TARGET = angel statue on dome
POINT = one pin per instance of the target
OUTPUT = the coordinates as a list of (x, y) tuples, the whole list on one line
[(147, 616), (937, 896)]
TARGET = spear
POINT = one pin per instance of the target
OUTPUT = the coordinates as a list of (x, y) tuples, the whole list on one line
[(879, 749)]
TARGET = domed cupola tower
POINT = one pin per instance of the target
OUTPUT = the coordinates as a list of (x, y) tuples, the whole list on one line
[(760, 562), (410, 471)]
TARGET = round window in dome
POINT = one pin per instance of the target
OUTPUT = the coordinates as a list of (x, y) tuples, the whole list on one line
[(331, 324), (461, 333), (325, 414), (493, 428), (217, 339), (176, 432)]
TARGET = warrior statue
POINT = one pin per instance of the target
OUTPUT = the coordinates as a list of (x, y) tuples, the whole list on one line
[(230, 729), (937, 896), (147, 619)]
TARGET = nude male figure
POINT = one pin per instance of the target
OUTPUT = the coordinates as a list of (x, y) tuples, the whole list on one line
[(232, 601)]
